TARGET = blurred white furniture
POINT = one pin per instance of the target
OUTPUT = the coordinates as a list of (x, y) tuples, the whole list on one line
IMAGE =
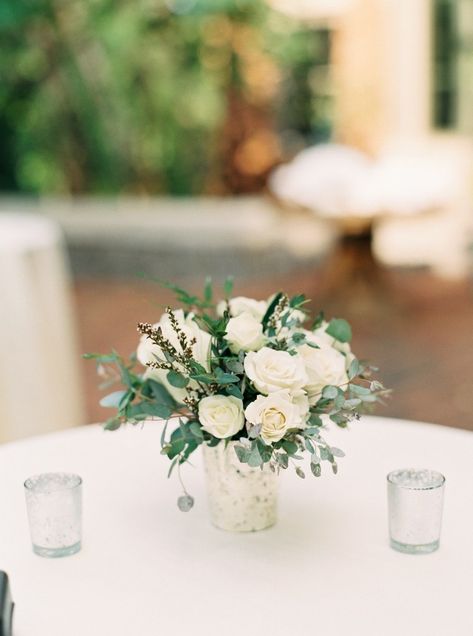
[(429, 182), (325, 568), (39, 383), (415, 198), (328, 179)]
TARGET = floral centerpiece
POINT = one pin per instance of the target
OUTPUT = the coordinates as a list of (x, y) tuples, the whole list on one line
[(252, 384)]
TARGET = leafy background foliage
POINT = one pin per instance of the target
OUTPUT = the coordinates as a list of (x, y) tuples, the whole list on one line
[(147, 96)]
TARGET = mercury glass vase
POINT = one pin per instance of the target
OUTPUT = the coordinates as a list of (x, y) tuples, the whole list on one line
[(241, 498)]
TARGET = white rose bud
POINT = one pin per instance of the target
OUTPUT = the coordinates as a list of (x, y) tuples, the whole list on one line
[(276, 414), (221, 415), (244, 333), (324, 366), (242, 304), (272, 370)]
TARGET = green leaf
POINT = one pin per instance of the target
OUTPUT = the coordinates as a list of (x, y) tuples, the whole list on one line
[(290, 447), (177, 379), (205, 379), (272, 306), (309, 446), (283, 460), (172, 466), (352, 403), (254, 458), (225, 378), (299, 338), (100, 357), (232, 389), (316, 469), (297, 301), (160, 410), (190, 448), (339, 329), (196, 430), (254, 431), (176, 447), (339, 419), (228, 286), (325, 454), (242, 453), (163, 434), (353, 369), (300, 473), (197, 367), (185, 503), (314, 420), (113, 399), (234, 365), (149, 409), (112, 424), (358, 390), (318, 320), (208, 293), (161, 394), (183, 296), (329, 392)]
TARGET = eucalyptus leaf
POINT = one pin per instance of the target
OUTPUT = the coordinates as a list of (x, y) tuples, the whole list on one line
[(254, 458), (339, 329), (185, 503), (300, 473), (208, 292), (196, 430), (112, 424), (113, 399), (177, 380), (329, 392), (232, 389), (228, 286), (161, 394), (225, 378), (353, 369), (242, 453)]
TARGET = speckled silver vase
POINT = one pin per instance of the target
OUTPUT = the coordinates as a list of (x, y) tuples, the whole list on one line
[(241, 498)]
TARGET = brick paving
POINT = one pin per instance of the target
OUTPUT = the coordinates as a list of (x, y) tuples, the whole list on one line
[(415, 327)]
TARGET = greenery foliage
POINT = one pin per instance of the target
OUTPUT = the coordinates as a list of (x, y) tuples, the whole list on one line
[(224, 372), (171, 96)]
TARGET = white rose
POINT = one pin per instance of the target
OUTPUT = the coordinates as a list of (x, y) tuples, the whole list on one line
[(324, 366), (148, 351), (244, 333), (242, 304), (271, 370), (221, 415), (276, 413)]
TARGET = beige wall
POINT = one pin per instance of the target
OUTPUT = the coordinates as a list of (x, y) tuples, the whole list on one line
[(382, 72)]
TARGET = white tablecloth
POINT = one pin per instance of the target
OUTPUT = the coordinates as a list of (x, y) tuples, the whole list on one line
[(39, 360), (325, 568)]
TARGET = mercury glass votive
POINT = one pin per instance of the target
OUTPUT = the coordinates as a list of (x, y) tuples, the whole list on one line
[(54, 506), (415, 502)]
